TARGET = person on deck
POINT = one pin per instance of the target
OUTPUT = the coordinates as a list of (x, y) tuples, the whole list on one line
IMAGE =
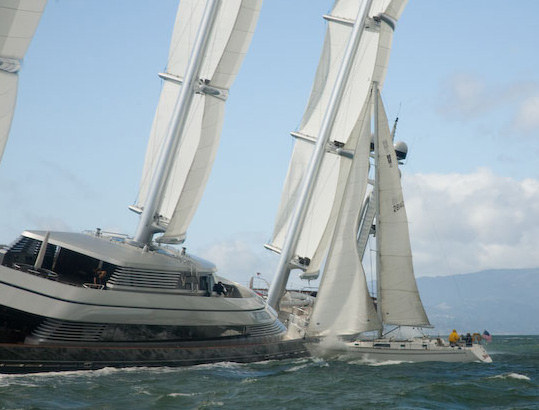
[(454, 338), (99, 276), (219, 288), (468, 339)]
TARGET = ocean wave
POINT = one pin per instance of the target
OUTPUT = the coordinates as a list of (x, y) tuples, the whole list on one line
[(516, 376), (46, 374), (307, 362), (182, 394), (106, 371), (8, 383), (388, 363), (296, 368), (376, 363), (219, 365)]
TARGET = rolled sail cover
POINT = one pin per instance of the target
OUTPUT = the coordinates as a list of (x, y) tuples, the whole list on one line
[(18, 22), (229, 40), (370, 63)]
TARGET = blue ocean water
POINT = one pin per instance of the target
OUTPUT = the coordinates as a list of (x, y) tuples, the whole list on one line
[(510, 382)]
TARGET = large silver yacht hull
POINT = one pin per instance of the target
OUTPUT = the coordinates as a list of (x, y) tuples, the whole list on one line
[(22, 358), (152, 308)]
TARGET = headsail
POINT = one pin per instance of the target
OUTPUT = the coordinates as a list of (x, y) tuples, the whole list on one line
[(370, 61), (228, 43), (398, 295), (18, 23), (343, 305)]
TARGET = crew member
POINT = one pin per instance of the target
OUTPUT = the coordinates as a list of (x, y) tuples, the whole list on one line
[(219, 288), (454, 338)]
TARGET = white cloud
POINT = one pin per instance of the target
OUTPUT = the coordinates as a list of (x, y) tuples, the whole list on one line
[(527, 117), (468, 97), (464, 95), (240, 257), (461, 223)]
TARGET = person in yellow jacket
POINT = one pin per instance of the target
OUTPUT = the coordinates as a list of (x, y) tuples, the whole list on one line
[(454, 338)]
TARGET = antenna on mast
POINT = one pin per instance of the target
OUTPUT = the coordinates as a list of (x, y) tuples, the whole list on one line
[(394, 129)]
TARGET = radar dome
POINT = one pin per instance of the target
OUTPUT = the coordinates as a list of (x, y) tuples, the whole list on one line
[(401, 150)]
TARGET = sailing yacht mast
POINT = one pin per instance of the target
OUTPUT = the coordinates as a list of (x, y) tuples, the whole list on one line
[(283, 270), (376, 100), (146, 228)]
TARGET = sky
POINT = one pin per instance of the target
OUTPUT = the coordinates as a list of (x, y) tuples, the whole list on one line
[(463, 78)]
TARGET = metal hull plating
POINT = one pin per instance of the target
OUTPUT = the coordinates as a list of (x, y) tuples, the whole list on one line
[(61, 301), (21, 358), (152, 309)]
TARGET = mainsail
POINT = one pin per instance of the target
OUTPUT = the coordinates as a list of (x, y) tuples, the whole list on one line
[(18, 22), (229, 40), (398, 297), (343, 305), (370, 63)]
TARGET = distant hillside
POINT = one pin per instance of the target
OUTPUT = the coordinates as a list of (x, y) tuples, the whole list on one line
[(502, 301)]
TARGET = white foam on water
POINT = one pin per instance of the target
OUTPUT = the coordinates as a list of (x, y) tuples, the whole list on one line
[(211, 403), (320, 361), (46, 374), (106, 371), (264, 362), (516, 376), (8, 383), (219, 365), (376, 363), (296, 368), (388, 363), (182, 394), (307, 362)]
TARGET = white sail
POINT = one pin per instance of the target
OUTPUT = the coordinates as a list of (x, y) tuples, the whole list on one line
[(343, 305), (228, 44), (18, 22), (399, 298), (370, 61)]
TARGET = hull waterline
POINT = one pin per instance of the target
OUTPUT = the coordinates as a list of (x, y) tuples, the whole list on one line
[(22, 358)]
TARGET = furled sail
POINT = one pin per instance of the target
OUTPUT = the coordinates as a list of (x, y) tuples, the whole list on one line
[(398, 298), (229, 40), (343, 304), (370, 62), (18, 23)]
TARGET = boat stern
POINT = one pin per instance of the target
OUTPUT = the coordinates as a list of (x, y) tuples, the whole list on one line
[(480, 353)]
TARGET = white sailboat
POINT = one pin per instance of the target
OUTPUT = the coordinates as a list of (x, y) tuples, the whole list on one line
[(328, 208), (72, 301)]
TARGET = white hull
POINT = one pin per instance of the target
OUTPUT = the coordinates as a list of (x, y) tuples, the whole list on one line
[(414, 350)]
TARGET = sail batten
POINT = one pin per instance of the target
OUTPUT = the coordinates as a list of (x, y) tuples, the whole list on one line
[(229, 39)]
